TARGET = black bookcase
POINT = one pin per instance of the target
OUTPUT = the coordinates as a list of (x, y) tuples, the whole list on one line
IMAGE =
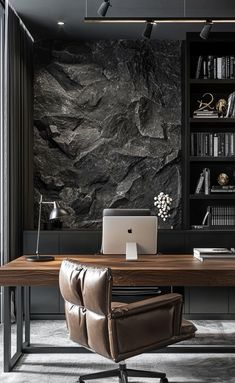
[(206, 131)]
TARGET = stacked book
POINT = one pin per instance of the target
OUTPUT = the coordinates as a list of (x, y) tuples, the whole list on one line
[(220, 253), (204, 144), (205, 114), (223, 189), (214, 67)]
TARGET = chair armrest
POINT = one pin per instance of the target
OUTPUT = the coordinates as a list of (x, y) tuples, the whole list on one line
[(124, 310), (165, 302), (144, 325)]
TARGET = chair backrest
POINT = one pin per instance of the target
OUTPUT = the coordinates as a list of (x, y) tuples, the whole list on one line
[(87, 291)]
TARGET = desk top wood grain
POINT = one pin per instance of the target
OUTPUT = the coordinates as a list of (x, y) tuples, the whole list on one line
[(175, 270)]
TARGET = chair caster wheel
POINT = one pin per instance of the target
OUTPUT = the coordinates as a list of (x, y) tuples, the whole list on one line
[(163, 380)]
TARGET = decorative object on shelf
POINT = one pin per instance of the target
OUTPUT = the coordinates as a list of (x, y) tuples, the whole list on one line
[(221, 107), (204, 178), (205, 222), (163, 205), (200, 183), (231, 106), (206, 108), (223, 179), (206, 105), (56, 213)]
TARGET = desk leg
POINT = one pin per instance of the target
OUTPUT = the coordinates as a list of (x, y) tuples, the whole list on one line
[(27, 314), (19, 318), (8, 360), (7, 328)]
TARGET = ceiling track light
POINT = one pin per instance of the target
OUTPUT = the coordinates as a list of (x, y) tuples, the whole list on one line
[(148, 30), (206, 29), (158, 20), (103, 9)]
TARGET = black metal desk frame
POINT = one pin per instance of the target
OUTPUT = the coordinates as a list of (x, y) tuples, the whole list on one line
[(24, 346)]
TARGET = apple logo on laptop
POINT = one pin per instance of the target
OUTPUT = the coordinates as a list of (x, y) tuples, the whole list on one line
[(129, 231)]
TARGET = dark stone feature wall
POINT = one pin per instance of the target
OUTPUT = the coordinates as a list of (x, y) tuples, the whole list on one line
[(107, 129)]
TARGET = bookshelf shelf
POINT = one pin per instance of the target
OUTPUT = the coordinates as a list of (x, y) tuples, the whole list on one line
[(214, 196), (211, 159), (212, 139), (212, 81), (221, 121)]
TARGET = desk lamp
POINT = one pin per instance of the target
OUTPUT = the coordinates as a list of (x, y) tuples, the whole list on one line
[(57, 212)]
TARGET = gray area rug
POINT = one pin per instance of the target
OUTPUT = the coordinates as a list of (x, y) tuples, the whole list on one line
[(191, 368)]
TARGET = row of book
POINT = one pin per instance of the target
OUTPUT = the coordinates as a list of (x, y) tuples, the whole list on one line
[(221, 215), (203, 184), (214, 67), (221, 253), (212, 144)]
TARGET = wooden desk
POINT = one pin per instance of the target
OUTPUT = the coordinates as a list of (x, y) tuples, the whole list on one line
[(163, 270), (169, 270)]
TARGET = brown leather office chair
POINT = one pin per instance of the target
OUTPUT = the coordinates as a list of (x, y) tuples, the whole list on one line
[(118, 330)]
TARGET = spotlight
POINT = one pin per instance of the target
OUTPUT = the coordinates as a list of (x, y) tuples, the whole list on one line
[(60, 22), (148, 30), (206, 29), (104, 8)]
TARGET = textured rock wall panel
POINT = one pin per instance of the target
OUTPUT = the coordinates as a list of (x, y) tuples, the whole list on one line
[(107, 129)]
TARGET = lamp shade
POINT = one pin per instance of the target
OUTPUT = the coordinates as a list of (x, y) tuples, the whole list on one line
[(148, 30), (104, 8), (57, 212), (206, 30)]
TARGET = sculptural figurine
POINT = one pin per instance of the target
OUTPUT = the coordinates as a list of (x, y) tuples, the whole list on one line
[(221, 107), (206, 105), (223, 179)]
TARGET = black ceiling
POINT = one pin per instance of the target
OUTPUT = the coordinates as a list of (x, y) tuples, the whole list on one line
[(41, 16)]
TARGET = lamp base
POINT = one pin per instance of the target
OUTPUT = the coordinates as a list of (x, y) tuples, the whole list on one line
[(39, 258)]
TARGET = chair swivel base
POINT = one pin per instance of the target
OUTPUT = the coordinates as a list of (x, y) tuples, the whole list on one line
[(123, 373)]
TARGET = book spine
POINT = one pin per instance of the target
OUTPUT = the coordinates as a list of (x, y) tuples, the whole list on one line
[(205, 75), (211, 145), (192, 144), (232, 67), (210, 70), (199, 67), (207, 180), (216, 145), (215, 67), (223, 68), (200, 183), (219, 68), (232, 145), (226, 149), (209, 219), (227, 59)]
